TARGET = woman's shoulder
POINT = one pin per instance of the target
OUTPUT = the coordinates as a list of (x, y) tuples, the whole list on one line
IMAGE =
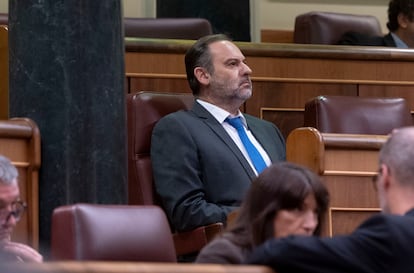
[(222, 250)]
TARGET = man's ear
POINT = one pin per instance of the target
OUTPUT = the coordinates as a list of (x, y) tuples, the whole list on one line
[(386, 173), (403, 20), (202, 75)]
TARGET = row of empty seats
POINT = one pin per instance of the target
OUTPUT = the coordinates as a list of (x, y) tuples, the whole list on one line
[(309, 28), (163, 28)]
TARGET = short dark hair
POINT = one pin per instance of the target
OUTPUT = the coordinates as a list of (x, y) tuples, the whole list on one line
[(395, 7), (282, 185), (199, 55)]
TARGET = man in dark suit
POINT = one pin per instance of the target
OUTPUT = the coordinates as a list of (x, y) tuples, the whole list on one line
[(400, 24), (201, 168), (383, 243)]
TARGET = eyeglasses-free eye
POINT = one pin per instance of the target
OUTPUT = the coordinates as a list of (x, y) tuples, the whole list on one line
[(17, 210)]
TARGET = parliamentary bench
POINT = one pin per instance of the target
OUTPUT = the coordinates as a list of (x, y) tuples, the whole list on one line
[(346, 163), (163, 28), (285, 76)]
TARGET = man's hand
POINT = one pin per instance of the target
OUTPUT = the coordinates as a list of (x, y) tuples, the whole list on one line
[(22, 252)]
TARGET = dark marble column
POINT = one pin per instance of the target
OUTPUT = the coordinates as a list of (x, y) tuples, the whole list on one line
[(231, 17), (67, 74)]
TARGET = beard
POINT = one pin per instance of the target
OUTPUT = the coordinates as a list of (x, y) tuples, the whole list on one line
[(240, 90)]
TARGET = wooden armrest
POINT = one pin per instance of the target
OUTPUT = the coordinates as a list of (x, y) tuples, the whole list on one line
[(194, 240), (128, 267)]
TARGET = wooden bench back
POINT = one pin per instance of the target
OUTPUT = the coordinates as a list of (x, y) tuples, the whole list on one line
[(346, 163)]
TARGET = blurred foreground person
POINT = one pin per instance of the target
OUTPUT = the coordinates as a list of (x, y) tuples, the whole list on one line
[(285, 199), (11, 209), (383, 243)]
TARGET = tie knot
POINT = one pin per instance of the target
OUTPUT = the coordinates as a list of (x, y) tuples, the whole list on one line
[(235, 122)]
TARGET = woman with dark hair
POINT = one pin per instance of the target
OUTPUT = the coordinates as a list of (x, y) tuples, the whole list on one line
[(285, 199)]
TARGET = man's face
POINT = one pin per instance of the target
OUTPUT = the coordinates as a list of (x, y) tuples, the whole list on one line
[(410, 34), (231, 76), (8, 195), (406, 30)]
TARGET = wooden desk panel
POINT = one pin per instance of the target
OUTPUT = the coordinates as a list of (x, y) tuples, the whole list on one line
[(129, 267), (282, 102), (346, 163), (159, 82)]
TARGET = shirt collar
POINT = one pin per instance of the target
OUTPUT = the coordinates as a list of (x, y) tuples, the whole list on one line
[(398, 42), (219, 114)]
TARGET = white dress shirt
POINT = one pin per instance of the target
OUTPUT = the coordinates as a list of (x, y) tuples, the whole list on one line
[(220, 115)]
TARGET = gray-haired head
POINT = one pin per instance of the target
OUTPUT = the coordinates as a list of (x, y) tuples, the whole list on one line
[(8, 172), (398, 153)]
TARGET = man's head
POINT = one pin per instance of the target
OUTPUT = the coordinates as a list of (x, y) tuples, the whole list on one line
[(9, 195), (217, 72), (395, 182), (198, 55), (401, 20)]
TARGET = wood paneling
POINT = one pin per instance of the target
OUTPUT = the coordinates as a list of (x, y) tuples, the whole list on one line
[(346, 163), (276, 36), (285, 76)]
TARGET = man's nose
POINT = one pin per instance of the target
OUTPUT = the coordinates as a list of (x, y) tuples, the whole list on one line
[(246, 69)]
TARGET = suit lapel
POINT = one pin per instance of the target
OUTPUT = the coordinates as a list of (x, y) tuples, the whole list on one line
[(261, 136), (389, 41), (218, 129)]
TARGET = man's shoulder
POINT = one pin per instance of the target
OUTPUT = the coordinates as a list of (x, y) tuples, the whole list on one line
[(383, 222), (258, 122), (178, 115)]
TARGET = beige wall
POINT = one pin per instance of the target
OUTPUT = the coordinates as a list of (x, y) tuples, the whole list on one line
[(139, 8), (272, 14), (4, 5), (132, 8)]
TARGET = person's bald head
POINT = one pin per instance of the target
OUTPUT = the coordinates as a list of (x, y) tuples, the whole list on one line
[(398, 154)]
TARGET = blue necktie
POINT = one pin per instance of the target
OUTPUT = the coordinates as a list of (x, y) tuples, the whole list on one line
[(254, 154)]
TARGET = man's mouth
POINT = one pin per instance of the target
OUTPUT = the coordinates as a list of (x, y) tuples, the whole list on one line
[(247, 82)]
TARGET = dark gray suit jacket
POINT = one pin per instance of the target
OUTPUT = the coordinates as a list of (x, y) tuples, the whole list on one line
[(199, 172), (356, 38), (383, 243)]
